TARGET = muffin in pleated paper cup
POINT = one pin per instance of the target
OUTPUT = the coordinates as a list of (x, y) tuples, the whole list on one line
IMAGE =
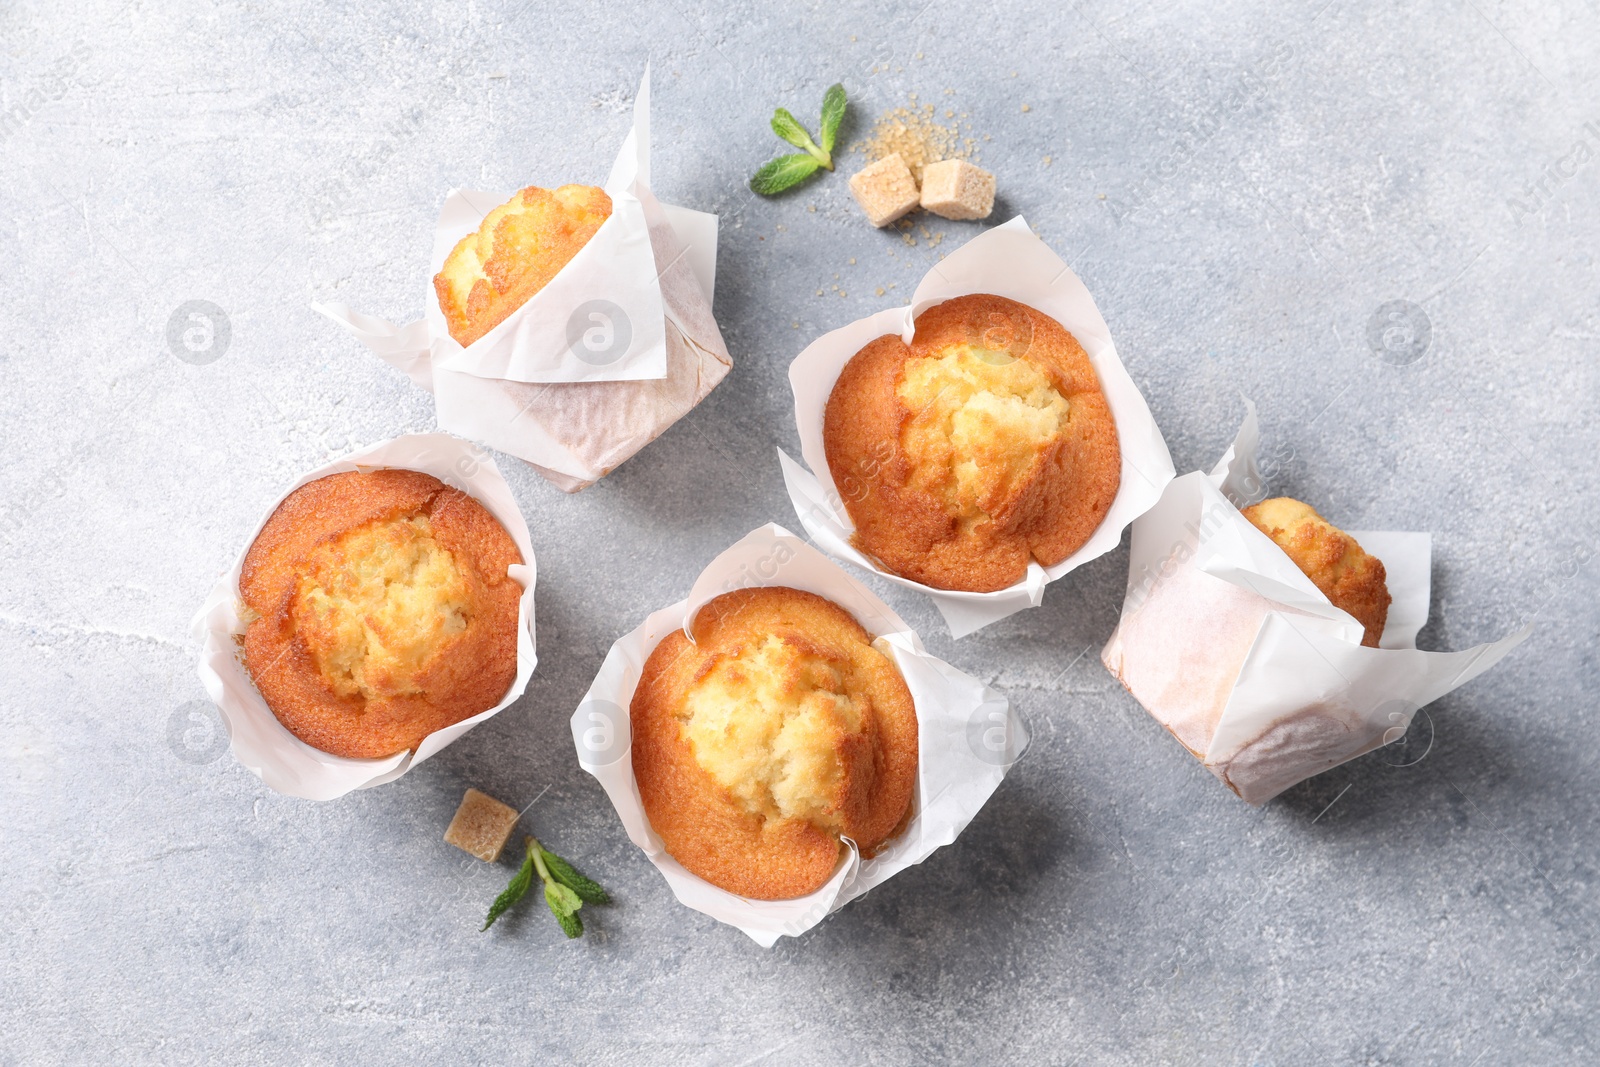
[(980, 442), (382, 607), (1246, 659), (749, 734), (586, 329)]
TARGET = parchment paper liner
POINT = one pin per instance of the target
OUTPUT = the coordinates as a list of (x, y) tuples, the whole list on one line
[(1008, 261), (531, 387), (280, 759), (1232, 648), (968, 734)]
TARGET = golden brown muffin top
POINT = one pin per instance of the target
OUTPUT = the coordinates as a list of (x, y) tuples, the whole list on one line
[(514, 253), (776, 732), (984, 443), (381, 611), (1353, 580)]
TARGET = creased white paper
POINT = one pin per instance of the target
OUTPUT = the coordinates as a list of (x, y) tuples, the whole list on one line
[(280, 759), (1231, 647), (613, 350), (968, 735), (1012, 262)]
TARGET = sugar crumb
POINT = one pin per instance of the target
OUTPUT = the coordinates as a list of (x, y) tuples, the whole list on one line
[(914, 133)]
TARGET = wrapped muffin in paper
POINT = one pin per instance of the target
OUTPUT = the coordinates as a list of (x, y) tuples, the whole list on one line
[(967, 735), (1231, 647), (602, 359), (259, 741), (1012, 263)]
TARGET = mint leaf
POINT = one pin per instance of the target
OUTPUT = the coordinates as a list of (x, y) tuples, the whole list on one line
[(571, 925), (565, 890), (786, 172), (785, 126), (515, 891), (562, 900), (833, 103), (788, 127), (564, 905), (782, 173), (588, 890)]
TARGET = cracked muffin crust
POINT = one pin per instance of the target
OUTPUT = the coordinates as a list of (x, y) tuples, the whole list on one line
[(983, 444), (775, 734), (380, 611)]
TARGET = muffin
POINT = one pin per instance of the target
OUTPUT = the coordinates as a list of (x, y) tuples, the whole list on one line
[(775, 734), (517, 249), (1335, 563), (983, 444), (379, 611)]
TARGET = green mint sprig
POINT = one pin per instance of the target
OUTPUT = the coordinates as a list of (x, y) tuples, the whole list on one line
[(513, 892), (785, 172), (565, 890)]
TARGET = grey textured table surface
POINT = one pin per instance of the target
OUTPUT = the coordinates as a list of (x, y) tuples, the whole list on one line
[(1240, 185)]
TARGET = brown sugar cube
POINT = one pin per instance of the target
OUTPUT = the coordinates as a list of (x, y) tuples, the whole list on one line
[(955, 189), (482, 825), (885, 190)]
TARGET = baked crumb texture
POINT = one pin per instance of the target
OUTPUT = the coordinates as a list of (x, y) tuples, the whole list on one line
[(517, 249), (777, 732), (482, 826), (885, 190), (1353, 580), (955, 189), (383, 611), (983, 444)]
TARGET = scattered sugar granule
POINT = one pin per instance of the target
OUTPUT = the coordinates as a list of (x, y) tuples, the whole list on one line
[(914, 134)]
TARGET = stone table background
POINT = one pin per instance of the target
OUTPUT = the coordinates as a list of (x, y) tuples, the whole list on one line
[(1241, 185)]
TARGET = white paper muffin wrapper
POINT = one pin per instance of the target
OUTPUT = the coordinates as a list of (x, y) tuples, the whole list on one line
[(1012, 262), (968, 734), (643, 283), (1230, 646), (280, 759)]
